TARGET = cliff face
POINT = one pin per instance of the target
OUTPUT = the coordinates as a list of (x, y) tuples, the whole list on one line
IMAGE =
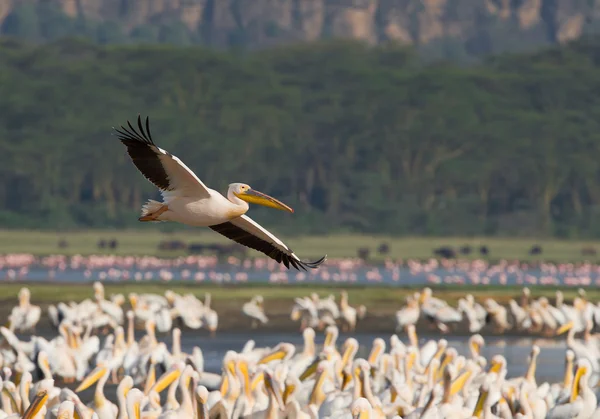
[(420, 22)]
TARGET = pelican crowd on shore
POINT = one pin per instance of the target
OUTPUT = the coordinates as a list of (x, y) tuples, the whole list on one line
[(44, 378), (529, 315), (162, 312)]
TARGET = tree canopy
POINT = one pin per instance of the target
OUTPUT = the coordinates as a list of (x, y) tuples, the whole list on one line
[(354, 138)]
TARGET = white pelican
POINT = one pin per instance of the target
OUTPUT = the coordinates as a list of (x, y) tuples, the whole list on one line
[(255, 310), (188, 201), (408, 315), (582, 402), (349, 315), (25, 316)]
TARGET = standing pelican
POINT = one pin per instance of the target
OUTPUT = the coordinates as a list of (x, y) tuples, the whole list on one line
[(188, 201)]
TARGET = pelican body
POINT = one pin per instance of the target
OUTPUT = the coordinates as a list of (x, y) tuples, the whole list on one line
[(187, 200)]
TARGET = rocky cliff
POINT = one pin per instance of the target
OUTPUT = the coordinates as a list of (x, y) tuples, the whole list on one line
[(479, 25)]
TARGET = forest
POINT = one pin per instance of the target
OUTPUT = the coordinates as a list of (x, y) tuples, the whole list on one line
[(355, 138)]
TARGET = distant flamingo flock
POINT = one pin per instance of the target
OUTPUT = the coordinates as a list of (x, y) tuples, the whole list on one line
[(15, 267)]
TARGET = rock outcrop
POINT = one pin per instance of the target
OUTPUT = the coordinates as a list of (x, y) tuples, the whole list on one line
[(258, 23)]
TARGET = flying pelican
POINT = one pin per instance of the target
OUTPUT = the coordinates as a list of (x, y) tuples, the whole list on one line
[(188, 201)]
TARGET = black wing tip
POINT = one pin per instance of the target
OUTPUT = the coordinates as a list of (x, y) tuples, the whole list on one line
[(140, 135), (311, 265)]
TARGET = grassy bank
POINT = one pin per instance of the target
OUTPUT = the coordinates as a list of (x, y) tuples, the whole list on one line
[(379, 297), (138, 242)]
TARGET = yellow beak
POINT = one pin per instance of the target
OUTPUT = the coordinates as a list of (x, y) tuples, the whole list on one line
[(310, 370), (459, 382), (166, 379), (91, 378), (254, 197), (34, 408), (273, 389), (575, 390), (480, 403), (495, 367), (565, 327), (272, 357)]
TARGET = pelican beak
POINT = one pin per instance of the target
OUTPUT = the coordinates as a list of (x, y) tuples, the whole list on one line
[(11, 397), (254, 197), (133, 301), (258, 377), (78, 412), (480, 403), (34, 408), (243, 367), (346, 356), (564, 328), (310, 370), (575, 390), (374, 356), (495, 367), (137, 410), (346, 379), (275, 355), (411, 360), (328, 339), (360, 414), (289, 389), (230, 366), (274, 389), (166, 379), (91, 378), (459, 382), (224, 386)]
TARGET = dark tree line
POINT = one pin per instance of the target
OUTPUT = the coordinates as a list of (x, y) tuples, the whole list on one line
[(355, 138)]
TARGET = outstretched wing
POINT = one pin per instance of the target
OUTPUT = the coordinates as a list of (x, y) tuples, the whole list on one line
[(249, 233), (164, 170)]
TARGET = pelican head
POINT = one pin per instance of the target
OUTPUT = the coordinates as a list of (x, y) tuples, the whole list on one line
[(376, 351), (125, 385), (133, 300), (331, 334), (65, 410), (44, 364), (497, 364), (24, 295), (134, 402), (476, 342), (361, 409), (40, 400), (425, 295), (170, 296), (246, 193), (118, 299)]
